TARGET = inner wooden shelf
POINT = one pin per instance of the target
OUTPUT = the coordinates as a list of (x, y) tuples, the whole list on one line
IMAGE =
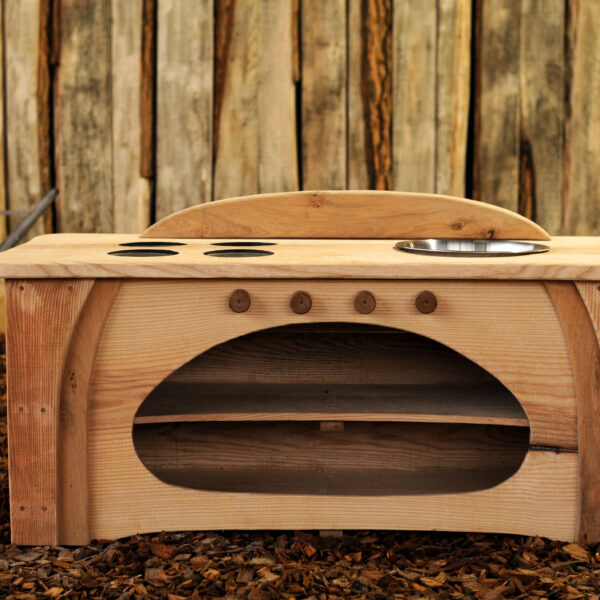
[(331, 409), (189, 402), (362, 459)]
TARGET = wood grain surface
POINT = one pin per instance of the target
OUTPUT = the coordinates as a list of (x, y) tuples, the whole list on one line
[(453, 74), (72, 424), (84, 118), (303, 94), (184, 121), (196, 402), (23, 63), (324, 92), (88, 255), (536, 370), (41, 316), (582, 160), (496, 142), (126, 38), (301, 458), (256, 136), (414, 117), (581, 325), (542, 111), (351, 214)]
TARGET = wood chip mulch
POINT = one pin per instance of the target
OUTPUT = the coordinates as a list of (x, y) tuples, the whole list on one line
[(294, 565)]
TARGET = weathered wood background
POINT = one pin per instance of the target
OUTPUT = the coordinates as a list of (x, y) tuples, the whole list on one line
[(138, 108)]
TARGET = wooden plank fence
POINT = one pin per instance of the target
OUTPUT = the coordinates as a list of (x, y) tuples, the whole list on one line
[(136, 109)]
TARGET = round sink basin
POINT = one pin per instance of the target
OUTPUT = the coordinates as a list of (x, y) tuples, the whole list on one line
[(464, 247)]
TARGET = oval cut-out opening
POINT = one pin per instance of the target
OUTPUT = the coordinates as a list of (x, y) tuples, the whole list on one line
[(143, 252), (246, 244), (238, 252), (151, 244), (340, 409)]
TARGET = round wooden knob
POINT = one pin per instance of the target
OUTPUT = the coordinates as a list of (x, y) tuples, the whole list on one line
[(239, 301), (364, 302), (426, 302), (301, 303)]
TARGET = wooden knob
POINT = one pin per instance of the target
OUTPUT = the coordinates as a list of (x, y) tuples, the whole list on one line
[(239, 301), (301, 303), (426, 302), (364, 302)]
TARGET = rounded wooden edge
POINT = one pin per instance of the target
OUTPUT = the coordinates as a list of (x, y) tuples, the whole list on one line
[(368, 214)]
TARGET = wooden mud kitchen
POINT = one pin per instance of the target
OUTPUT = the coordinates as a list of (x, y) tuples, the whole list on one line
[(309, 360)]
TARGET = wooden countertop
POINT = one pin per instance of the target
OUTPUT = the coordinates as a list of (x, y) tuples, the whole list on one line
[(86, 256)]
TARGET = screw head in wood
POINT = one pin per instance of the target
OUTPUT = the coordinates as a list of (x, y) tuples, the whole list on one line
[(239, 301), (364, 302), (301, 302), (426, 302)]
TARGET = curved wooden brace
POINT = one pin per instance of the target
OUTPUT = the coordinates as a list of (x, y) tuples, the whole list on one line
[(577, 305), (73, 521), (346, 215)]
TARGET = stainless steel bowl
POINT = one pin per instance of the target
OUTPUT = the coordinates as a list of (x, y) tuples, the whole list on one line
[(466, 247)]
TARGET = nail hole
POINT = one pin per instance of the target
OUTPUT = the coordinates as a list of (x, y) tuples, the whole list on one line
[(43, 409), (21, 508), (44, 508), (20, 409), (21, 287)]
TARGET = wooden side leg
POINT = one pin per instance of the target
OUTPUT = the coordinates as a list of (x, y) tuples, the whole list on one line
[(41, 316), (579, 314)]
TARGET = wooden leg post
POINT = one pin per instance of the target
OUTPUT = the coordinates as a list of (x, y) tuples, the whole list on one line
[(41, 316)]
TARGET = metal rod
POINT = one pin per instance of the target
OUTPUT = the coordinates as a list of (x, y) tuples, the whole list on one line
[(27, 223), (13, 212)]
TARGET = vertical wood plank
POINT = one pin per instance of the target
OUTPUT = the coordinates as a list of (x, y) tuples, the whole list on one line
[(256, 124), (324, 78), (579, 321), (84, 119), (3, 182), (453, 78), (542, 111), (370, 105), (237, 157), (184, 83), (496, 138), (582, 160), (41, 316), (358, 173), (277, 144), (145, 204), (414, 97), (24, 95), (126, 76)]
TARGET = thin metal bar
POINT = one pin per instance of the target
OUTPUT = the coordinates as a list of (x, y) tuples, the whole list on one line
[(27, 223), (14, 212)]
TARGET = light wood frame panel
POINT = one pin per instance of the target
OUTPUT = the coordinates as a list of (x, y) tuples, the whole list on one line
[(136, 352)]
